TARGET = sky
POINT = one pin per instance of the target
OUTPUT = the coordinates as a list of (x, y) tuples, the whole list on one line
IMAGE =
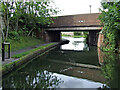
[(70, 7)]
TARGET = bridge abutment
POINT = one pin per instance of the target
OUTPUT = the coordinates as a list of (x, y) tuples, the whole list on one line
[(53, 36), (49, 36), (93, 38)]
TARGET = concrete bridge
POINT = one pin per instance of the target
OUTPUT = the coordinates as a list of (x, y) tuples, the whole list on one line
[(81, 22)]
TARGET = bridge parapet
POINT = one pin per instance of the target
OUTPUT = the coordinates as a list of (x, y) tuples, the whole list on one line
[(77, 20)]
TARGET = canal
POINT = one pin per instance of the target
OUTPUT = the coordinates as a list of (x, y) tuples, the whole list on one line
[(73, 65)]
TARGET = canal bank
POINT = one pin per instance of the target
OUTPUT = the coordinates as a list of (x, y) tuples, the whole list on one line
[(61, 67), (10, 64)]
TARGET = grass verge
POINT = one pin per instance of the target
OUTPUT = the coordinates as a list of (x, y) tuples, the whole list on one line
[(75, 36), (24, 42), (64, 35), (30, 51)]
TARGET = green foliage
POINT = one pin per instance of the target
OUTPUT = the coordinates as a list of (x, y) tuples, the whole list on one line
[(81, 34), (26, 18), (65, 35), (13, 35), (110, 18), (77, 33), (110, 69)]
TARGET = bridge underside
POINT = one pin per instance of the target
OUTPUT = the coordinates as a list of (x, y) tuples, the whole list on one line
[(54, 34), (74, 29)]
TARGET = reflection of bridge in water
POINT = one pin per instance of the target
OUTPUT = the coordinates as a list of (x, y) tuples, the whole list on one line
[(75, 44), (82, 22), (84, 71)]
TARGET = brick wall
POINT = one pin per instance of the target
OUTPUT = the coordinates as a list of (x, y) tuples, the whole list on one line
[(100, 40), (77, 20)]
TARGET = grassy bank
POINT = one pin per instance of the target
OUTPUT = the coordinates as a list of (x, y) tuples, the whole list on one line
[(79, 36), (65, 35), (26, 58), (31, 51), (24, 42), (75, 36)]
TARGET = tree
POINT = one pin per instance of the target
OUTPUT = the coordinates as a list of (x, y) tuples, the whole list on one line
[(5, 19), (0, 26), (110, 18), (24, 18)]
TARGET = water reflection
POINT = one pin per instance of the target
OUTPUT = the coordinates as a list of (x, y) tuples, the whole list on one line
[(44, 79), (110, 64), (76, 44), (59, 69), (73, 82), (76, 71), (85, 57), (33, 75), (44, 73)]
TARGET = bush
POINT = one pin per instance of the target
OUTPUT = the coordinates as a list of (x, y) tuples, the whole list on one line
[(14, 35)]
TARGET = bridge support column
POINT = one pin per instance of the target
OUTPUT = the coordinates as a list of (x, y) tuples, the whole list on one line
[(53, 36), (93, 37)]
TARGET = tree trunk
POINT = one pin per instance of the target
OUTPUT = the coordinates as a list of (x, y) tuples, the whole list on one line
[(7, 29), (30, 32), (7, 25), (17, 25)]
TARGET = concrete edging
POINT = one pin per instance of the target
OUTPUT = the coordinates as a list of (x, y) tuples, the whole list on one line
[(25, 59)]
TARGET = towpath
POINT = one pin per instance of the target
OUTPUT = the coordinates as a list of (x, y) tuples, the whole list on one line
[(18, 52)]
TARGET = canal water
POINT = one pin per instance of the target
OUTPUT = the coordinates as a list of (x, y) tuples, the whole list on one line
[(73, 65)]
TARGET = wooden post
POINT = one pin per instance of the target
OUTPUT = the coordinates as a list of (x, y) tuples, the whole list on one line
[(9, 50), (8, 44), (3, 52)]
